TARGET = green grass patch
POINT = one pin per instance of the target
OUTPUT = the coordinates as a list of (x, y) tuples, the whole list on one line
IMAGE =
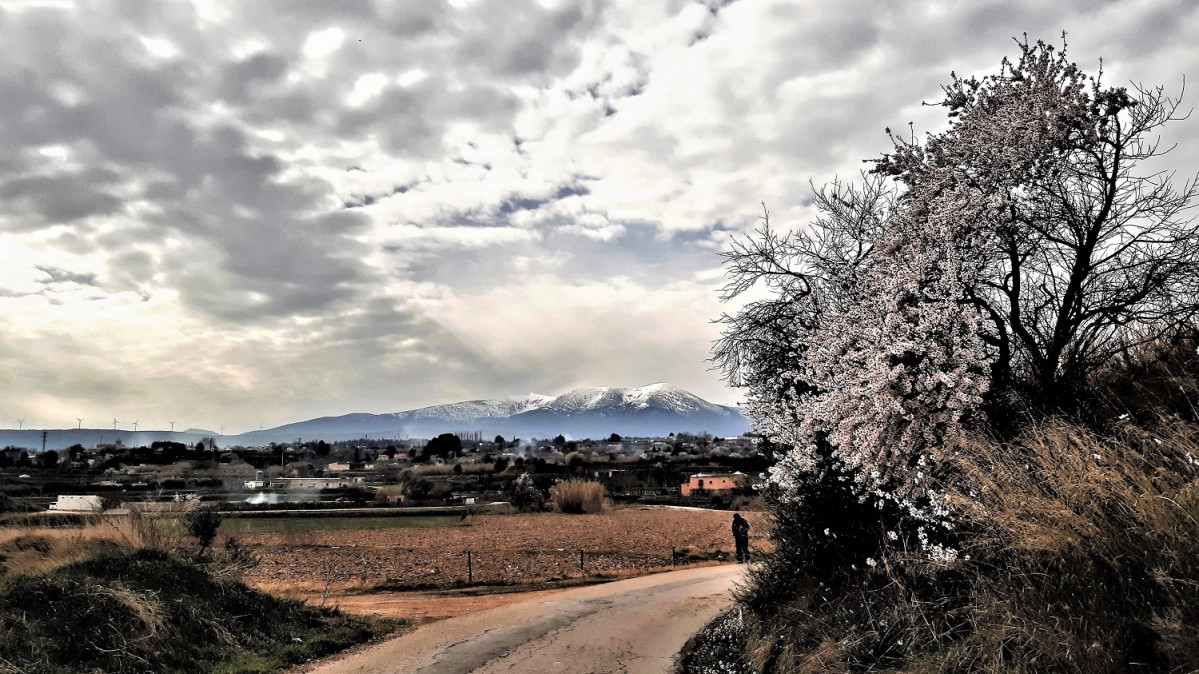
[(145, 610), (310, 524)]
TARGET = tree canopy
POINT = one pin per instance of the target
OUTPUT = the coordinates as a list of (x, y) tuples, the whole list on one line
[(979, 273), (443, 445)]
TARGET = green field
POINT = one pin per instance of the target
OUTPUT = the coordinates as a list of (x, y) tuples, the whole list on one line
[(281, 525)]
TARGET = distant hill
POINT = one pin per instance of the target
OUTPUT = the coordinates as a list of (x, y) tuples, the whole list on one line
[(654, 410)]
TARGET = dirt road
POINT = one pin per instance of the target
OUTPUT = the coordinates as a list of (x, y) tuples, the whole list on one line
[(633, 626)]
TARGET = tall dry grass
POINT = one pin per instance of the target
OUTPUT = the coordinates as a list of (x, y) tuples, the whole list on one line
[(1087, 549), (579, 496), (32, 550), (1062, 489), (1077, 552)]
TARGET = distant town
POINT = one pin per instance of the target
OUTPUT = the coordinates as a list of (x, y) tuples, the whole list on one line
[(450, 469)]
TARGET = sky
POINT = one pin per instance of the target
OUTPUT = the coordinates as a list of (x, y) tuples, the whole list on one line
[(244, 214)]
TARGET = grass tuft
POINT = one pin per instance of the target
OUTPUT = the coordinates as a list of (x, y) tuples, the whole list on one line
[(579, 496)]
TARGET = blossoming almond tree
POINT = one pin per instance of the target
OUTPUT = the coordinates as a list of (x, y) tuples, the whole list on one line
[(1012, 255)]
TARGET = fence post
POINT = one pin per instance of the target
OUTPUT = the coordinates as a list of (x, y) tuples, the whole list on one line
[(673, 556), (470, 569), (580, 559)]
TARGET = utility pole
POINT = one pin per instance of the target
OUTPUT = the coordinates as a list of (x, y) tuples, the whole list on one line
[(43, 442)]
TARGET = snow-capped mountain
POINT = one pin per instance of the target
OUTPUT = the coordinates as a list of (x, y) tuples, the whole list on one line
[(654, 410), (478, 409), (657, 409)]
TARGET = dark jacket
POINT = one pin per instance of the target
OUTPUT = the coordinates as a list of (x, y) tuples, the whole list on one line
[(740, 526)]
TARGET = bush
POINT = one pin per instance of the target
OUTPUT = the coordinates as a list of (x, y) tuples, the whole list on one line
[(579, 496), (203, 523), (524, 495), (157, 531)]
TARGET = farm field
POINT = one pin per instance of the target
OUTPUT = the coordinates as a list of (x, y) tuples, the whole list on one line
[(283, 525), (504, 549)]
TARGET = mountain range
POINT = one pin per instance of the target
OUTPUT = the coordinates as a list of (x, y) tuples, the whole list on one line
[(596, 412)]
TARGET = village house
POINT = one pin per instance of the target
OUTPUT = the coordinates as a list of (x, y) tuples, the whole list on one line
[(709, 483)]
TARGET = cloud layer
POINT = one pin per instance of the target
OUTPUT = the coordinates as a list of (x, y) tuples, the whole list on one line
[(237, 214)]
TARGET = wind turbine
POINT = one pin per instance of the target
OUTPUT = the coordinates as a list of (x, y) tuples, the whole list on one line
[(114, 424), (80, 420), (172, 426), (20, 424), (222, 429), (135, 427)]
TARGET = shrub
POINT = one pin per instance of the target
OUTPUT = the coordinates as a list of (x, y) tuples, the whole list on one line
[(578, 496), (524, 495), (155, 530), (203, 523)]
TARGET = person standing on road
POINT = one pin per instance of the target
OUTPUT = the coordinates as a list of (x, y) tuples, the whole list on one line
[(741, 537)]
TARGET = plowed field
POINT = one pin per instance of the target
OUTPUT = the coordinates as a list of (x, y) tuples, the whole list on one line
[(504, 549)]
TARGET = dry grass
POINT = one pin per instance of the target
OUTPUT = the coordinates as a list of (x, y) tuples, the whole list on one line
[(1078, 553), (28, 551), (579, 496), (1061, 489)]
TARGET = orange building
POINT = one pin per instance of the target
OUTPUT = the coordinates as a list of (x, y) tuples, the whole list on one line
[(707, 483)]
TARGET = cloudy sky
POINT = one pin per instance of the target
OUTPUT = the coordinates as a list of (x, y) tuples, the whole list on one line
[(252, 213)]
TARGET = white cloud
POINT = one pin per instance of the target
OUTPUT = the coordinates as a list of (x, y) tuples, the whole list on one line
[(322, 43), (259, 211)]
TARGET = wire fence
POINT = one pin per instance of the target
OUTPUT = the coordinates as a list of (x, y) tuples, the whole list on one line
[(416, 567)]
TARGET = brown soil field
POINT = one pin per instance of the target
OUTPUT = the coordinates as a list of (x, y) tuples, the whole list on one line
[(516, 549)]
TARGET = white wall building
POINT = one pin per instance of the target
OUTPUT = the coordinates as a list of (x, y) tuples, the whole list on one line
[(86, 503)]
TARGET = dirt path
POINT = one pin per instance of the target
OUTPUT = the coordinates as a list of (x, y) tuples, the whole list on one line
[(423, 607), (634, 626)]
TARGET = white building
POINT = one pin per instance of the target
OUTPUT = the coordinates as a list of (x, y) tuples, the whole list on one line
[(86, 503)]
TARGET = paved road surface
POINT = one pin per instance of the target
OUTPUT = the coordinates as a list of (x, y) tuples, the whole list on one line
[(634, 626)]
